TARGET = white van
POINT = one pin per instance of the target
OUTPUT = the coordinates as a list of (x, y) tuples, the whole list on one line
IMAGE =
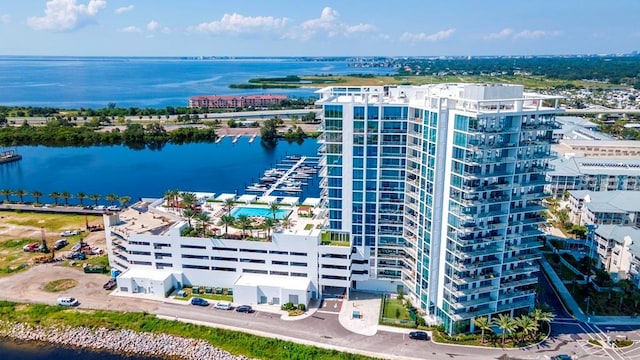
[(67, 301), (223, 305)]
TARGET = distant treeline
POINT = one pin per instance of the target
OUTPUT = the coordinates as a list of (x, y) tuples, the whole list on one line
[(114, 112), (60, 132), (614, 69)]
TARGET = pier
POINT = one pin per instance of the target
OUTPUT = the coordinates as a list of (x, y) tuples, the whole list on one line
[(288, 179)]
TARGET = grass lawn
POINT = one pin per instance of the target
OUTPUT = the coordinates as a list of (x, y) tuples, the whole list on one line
[(50, 222), (394, 309), (205, 296), (60, 285), (233, 341)]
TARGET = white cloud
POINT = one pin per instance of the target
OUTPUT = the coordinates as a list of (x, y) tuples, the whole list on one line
[(124, 9), (5, 19), (153, 25), (440, 35), (535, 34), (328, 23), (236, 23), (502, 34), (130, 29), (64, 15)]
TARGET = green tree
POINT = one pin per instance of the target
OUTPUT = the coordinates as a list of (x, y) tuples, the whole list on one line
[(505, 323), (228, 205), (227, 220), (171, 196), (188, 200), (6, 193), (124, 200), (287, 223), (111, 198), (95, 198), (274, 207), (66, 196), (244, 222), (81, 196), (483, 324), (55, 196), (526, 325), (36, 195), (539, 315), (203, 220), (20, 193), (189, 214), (268, 225)]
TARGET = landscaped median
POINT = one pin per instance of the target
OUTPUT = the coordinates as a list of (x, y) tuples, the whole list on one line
[(143, 333)]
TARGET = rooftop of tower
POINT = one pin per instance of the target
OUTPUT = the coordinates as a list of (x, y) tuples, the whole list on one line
[(468, 97)]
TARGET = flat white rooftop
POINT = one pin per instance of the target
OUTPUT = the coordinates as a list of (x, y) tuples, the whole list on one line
[(286, 282), (153, 274)]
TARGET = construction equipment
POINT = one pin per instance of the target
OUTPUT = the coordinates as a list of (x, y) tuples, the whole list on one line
[(45, 248)]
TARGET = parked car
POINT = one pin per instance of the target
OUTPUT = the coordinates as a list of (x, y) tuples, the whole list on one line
[(97, 269), (561, 357), (31, 247), (223, 305), (77, 256), (97, 251), (88, 207), (67, 301), (109, 285), (199, 301), (68, 233), (100, 207), (244, 309), (418, 335), (113, 208), (59, 244)]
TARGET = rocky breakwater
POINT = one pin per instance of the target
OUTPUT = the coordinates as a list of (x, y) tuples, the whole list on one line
[(118, 341)]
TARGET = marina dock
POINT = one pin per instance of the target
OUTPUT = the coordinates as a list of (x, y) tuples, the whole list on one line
[(288, 177)]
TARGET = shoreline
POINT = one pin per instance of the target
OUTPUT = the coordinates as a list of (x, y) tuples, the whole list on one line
[(122, 342)]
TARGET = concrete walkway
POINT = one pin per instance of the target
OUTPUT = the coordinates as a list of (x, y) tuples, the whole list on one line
[(367, 307)]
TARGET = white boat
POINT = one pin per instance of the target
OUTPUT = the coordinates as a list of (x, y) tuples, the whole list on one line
[(220, 138), (252, 138), (235, 139)]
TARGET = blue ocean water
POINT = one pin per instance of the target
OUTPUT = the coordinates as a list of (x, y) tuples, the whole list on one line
[(94, 82), (224, 167)]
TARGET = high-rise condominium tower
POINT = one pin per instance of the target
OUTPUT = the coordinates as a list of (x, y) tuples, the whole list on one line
[(439, 189)]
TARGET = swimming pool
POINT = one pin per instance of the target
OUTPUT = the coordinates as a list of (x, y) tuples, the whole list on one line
[(253, 211)]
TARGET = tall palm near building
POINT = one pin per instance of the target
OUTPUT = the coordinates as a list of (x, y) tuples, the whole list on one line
[(203, 219), (188, 200), (506, 324), (274, 209), (539, 315), (189, 214), (527, 325), (124, 200), (244, 223), (228, 205), (483, 324), (227, 220)]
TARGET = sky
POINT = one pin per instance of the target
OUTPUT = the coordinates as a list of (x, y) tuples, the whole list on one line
[(317, 28)]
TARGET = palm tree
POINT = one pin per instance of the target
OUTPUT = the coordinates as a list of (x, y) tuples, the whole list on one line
[(483, 324), (227, 220), (269, 224), (55, 196), (188, 200), (171, 196), (228, 205), (6, 193), (526, 325), (36, 195), (505, 323), (111, 198), (124, 200), (286, 223), (81, 196), (95, 198), (66, 196), (204, 219), (274, 209), (20, 193), (539, 315), (244, 223), (189, 214)]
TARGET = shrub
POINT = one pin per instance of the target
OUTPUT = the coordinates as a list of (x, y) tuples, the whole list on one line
[(420, 321), (301, 307)]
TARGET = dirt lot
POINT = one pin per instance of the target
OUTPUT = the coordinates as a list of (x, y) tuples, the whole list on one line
[(20, 228), (27, 285)]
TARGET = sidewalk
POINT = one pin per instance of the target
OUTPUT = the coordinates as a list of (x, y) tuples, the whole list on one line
[(367, 306)]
